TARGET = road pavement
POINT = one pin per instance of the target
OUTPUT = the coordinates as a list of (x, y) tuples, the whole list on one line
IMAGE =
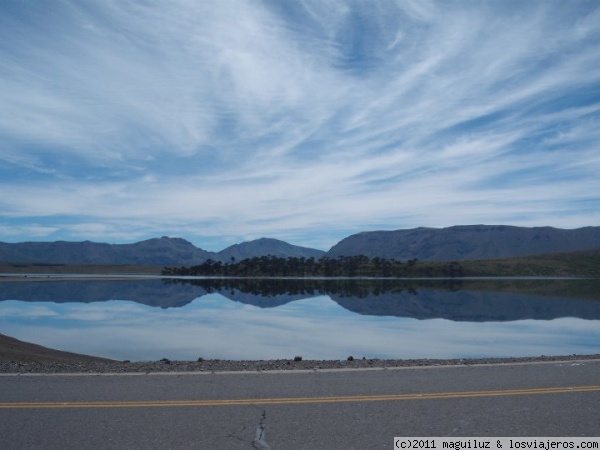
[(342, 409)]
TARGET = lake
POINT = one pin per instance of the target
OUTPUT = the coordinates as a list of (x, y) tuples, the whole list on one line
[(184, 319)]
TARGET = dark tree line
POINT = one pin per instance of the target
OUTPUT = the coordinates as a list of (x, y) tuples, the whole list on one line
[(340, 287), (344, 266)]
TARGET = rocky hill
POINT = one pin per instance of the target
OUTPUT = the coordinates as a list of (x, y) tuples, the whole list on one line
[(266, 247), (470, 242), (157, 251)]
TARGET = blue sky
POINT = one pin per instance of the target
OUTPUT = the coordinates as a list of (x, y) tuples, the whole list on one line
[(224, 121)]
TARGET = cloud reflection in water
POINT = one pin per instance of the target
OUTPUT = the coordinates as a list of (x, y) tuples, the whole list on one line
[(214, 327)]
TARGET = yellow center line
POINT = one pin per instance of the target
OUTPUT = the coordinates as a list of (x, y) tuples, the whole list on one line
[(302, 400)]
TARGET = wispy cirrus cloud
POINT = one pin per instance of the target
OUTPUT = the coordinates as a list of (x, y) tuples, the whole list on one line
[(227, 120)]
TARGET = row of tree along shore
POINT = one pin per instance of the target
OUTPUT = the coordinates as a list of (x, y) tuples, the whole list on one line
[(584, 263), (344, 266)]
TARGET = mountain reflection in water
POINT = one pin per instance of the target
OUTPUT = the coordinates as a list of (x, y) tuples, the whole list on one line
[(185, 319), (472, 300)]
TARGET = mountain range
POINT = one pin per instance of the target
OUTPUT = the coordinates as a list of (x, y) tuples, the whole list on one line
[(458, 243), (164, 251)]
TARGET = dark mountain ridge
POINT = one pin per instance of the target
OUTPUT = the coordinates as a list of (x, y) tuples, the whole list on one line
[(466, 242), (156, 251)]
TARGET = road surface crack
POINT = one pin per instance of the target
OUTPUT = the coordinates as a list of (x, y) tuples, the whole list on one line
[(260, 440), (235, 436)]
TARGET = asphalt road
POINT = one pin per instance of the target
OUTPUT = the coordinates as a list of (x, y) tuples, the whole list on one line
[(298, 410)]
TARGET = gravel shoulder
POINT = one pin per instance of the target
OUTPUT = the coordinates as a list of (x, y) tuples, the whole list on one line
[(18, 357)]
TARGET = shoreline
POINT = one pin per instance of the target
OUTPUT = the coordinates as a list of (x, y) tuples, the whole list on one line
[(18, 357), (21, 358), (93, 366)]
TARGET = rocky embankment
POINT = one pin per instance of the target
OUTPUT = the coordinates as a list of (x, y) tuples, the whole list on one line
[(20, 357), (210, 366)]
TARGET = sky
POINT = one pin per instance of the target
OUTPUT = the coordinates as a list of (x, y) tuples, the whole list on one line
[(223, 121)]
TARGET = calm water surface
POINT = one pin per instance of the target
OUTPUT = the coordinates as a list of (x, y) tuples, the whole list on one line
[(267, 319)]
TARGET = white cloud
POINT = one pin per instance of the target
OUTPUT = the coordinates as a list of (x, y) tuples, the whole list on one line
[(246, 119)]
